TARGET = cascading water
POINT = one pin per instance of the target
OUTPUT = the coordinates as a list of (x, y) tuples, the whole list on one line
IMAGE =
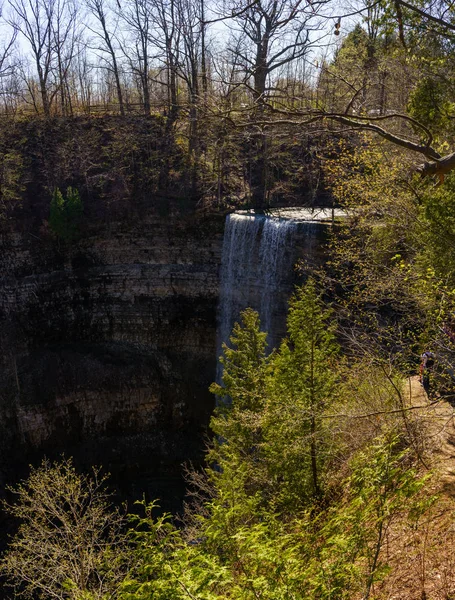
[(275, 267), (256, 266)]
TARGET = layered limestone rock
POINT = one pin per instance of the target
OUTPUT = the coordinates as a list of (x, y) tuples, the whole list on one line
[(108, 346)]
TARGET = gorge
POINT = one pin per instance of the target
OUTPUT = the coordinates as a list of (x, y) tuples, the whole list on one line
[(109, 345), (154, 161)]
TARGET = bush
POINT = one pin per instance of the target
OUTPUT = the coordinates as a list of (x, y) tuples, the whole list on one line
[(69, 542), (65, 214)]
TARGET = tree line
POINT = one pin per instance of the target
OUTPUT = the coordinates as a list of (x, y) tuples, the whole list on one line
[(238, 76), (59, 56)]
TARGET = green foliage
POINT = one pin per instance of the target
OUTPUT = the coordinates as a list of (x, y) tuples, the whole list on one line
[(331, 554), (387, 257), (240, 472), (438, 231), (11, 173), (302, 387), (270, 438), (382, 487), (68, 544), (352, 53), (244, 365), (65, 214), (429, 103), (155, 541)]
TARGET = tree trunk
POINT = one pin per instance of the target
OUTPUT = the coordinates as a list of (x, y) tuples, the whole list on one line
[(44, 93), (118, 87), (146, 92), (110, 48), (259, 166)]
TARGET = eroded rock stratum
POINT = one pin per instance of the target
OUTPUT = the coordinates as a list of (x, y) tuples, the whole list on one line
[(108, 344), (108, 347)]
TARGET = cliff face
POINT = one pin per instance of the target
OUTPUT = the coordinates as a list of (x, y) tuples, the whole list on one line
[(108, 347), (107, 344)]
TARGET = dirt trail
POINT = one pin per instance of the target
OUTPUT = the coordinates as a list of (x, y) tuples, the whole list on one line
[(421, 555), (438, 417)]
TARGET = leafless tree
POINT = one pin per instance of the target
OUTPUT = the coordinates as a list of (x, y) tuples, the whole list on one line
[(8, 62), (49, 28), (271, 34), (191, 35), (65, 35), (7, 41), (69, 539), (136, 15), (165, 37), (267, 36), (106, 50)]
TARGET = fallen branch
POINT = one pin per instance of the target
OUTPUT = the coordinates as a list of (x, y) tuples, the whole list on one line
[(439, 167)]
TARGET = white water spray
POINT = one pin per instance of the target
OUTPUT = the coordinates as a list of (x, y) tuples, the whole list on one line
[(256, 264)]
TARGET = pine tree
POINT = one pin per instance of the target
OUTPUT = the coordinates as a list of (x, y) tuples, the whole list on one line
[(302, 386), (57, 213), (65, 214), (236, 422)]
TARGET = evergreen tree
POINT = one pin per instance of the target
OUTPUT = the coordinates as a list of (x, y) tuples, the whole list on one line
[(270, 437), (57, 213), (65, 214), (262, 531), (236, 459), (303, 385)]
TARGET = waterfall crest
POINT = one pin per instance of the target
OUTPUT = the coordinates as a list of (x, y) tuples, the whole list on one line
[(256, 267)]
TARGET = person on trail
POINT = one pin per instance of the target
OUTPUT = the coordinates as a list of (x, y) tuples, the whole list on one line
[(426, 367)]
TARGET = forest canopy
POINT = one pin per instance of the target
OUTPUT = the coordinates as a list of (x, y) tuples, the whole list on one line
[(248, 91)]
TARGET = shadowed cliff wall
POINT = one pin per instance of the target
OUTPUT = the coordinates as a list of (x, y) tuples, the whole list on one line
[(107, 344), (108, 348)]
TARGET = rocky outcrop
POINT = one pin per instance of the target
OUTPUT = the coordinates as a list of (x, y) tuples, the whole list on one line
[(108, 347)]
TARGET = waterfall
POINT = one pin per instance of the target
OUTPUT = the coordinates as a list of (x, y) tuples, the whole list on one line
[(256, 267), (275, 267)]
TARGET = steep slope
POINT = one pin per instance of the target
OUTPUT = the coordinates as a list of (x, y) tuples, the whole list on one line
[(108, 346)]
